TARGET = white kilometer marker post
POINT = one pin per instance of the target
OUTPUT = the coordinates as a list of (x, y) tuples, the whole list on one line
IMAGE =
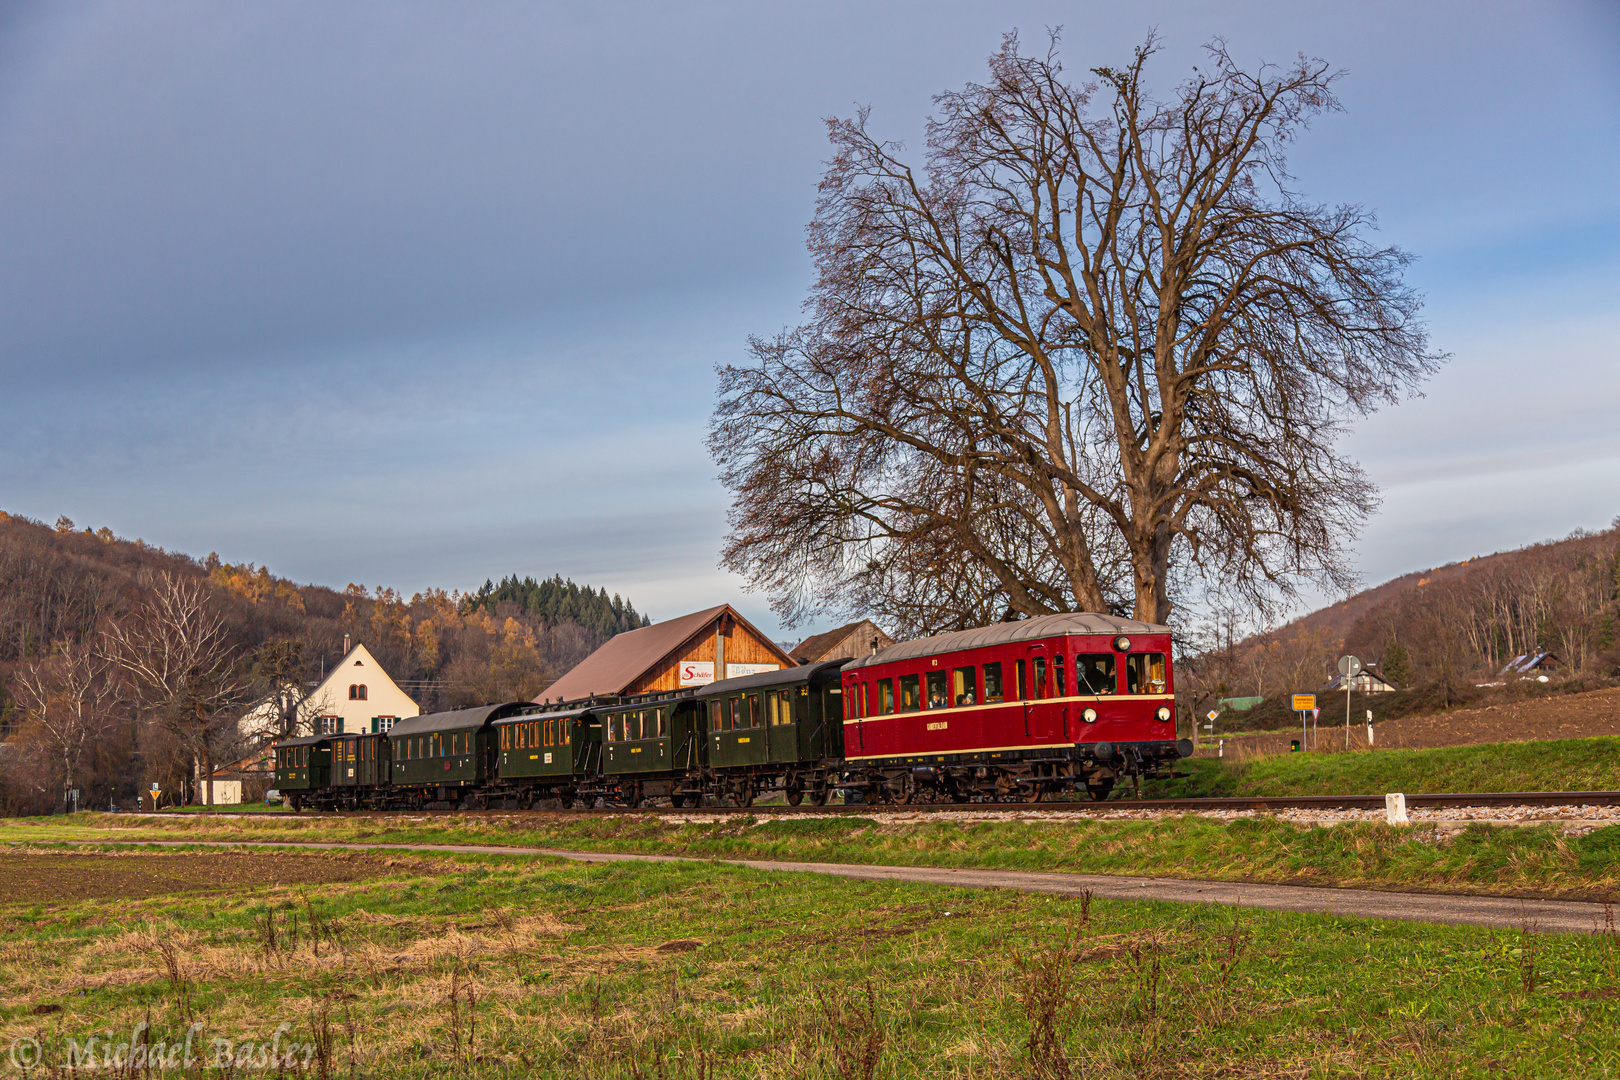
[(1395, 808)]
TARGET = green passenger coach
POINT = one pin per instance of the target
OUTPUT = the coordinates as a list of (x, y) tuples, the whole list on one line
[(545, 755), (438, 758), (776, 728), (303, 766), (653, 749)]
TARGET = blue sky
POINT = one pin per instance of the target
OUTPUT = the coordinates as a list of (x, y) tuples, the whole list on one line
[(419, 294)]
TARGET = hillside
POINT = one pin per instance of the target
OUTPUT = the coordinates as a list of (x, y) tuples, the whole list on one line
[(1446, 627), (62, 587)]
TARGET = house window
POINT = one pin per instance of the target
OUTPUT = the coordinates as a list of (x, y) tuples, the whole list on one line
[(357, 691), (328, 725), (383, 723)]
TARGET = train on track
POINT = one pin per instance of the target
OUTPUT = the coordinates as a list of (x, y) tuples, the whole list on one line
[(1019, 711)]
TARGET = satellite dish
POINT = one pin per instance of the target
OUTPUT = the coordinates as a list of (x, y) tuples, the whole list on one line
[(1349, 666)]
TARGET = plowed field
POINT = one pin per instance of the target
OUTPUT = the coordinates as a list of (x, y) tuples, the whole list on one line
[(47, 878)]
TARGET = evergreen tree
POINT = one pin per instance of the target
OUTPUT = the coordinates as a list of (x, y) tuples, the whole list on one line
[(557, 601), (1397, 665)]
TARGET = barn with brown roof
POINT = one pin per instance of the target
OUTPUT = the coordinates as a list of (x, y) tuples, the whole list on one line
[(693, 650), (845, 643)]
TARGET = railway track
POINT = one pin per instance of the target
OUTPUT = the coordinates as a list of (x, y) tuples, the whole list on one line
[(1288, 802)]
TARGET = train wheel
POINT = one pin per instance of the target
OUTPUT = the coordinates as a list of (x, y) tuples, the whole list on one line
[(795, 796), (566, 800), (1099, 791), (818, 797), (677, 800), (744, 793), (1035, 794)]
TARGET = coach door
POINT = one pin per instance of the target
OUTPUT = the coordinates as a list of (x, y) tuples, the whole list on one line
[(1041, 709), (781, 724)]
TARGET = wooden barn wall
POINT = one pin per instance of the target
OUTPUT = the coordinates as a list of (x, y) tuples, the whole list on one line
[(742, 647)]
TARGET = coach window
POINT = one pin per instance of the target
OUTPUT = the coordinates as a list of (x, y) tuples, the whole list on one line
[(1094, 673), (1038, 688), (937, 690), (910, 693), (1060, 678), (1144, 673), (714, 716), (885, 696), (964, 686), (754, 719), (992, 682), (1020, 681)]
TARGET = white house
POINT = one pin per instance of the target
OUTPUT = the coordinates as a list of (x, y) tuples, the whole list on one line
[(356, 696)]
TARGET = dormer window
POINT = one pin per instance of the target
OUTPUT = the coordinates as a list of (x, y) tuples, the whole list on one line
[(357, 691)]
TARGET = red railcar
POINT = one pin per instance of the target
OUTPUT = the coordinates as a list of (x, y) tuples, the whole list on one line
[(1020, 709)]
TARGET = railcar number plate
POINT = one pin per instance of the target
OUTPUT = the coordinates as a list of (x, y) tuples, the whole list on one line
[(744, 739), (939, 725)]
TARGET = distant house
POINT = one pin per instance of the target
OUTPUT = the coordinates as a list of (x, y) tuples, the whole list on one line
[(1369, 681), (1531, 664), (845, 643), (357, 696), (693, 650)]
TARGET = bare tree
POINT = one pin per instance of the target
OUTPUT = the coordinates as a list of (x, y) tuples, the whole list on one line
[(282, 676), (66, 698), (1096, 344), (175, 653)]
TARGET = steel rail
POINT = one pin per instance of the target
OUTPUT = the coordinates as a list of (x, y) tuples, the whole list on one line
[(1077, 807)]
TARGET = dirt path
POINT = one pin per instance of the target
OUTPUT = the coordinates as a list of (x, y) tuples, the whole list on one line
[(1548, 916)]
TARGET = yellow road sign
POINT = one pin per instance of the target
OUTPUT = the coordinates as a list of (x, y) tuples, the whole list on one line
[(1304, 702)]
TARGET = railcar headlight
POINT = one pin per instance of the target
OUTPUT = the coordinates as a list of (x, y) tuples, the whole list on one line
[(1122, 644), (1164, 712), (1089, 716)]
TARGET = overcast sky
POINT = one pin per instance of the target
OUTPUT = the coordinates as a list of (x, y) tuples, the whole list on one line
[(418, 294)]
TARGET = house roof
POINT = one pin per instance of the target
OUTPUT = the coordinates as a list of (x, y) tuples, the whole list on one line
[(812, 648), (342, 672), (1077, 622), (457, 720), (768, 678), (626, 657)]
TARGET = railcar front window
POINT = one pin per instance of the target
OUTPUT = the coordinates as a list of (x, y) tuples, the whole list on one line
[(885, 696), (937, 698), (1095, 673), (964, 686), (1144, 673)]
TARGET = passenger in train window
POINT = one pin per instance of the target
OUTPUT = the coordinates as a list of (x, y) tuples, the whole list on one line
[(885, 696), (992, 682), (1094, 673), (964, 681), (936, 690), (1144, 673), (910, 693)]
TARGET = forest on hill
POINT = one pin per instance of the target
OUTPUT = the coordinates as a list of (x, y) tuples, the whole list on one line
[(84, 615), (1441, 634)]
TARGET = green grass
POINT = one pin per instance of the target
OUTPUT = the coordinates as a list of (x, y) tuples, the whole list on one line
[(518, 968), (1537, 860), (1548, 765)]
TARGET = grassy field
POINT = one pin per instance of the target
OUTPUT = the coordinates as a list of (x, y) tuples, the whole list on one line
[(1548, 765), (489, 967), (1515, 861)]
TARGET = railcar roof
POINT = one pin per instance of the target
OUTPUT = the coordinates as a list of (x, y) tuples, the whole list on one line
[(569, 714), (457, 720), (304, 740), (1041, 626), (800, 674)]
